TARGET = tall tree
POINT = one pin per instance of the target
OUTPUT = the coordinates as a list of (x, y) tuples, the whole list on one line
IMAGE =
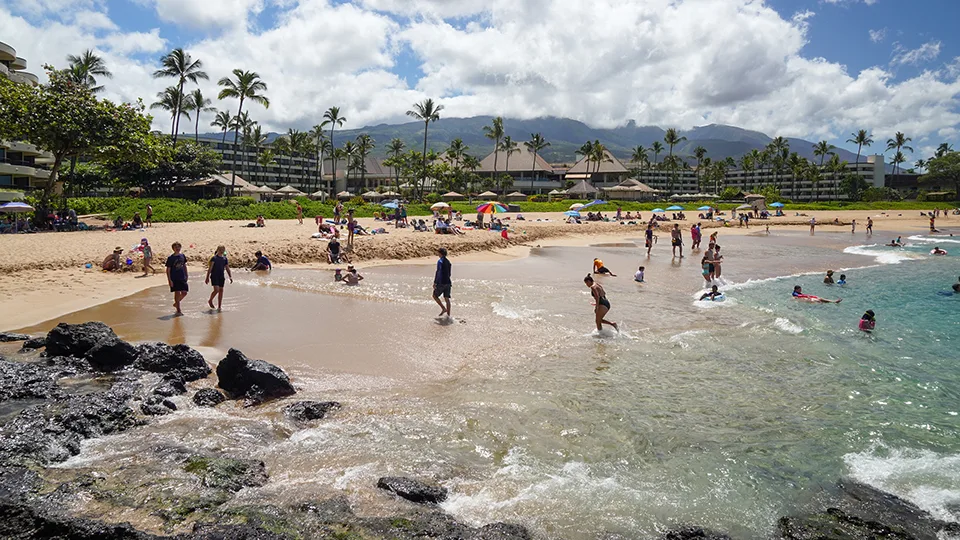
[(426, 111), (942, 150), (640, 157), (598, 155), (85, 69), (365, 144), (395, 149), (199, 104), (700, 153), (222, 121), (836, 167), (672, 138), (861, 138), (495, 133), (349, 152), (821, 149), (536, 144), (899, 142), (797, 165), (586, 150), (509, 147), (257, 139), (657, 148), (242, 124), (179, 65), (898, 159), (318, 137), (245, 85), (174, 102), (281, 146), (264, 160), (779, 151), (333, 119), (944, 168), (746, 165)]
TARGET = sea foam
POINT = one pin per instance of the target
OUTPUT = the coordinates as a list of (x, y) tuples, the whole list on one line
[(883, 255)]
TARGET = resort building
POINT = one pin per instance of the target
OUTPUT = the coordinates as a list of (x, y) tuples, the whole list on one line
[(605, 174), (299, 171), (528, 176), (22, 166)]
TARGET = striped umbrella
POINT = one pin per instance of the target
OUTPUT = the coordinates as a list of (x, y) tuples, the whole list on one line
[(491, 208)]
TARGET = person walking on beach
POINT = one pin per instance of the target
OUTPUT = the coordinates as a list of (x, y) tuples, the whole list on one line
[(177, 276), (649, 238), (695, 237), (215, 276), (351, 227), (149, 216), (442, 282), (337, 210), (299, 213), (147, 256), (869, 226), (676, 239), (601, 304), (853, 226)]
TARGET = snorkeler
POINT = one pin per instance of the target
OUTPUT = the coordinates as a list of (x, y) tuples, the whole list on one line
[(601, 303), (798, 294)]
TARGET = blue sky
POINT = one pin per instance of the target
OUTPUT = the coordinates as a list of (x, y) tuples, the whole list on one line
[(805, 68)]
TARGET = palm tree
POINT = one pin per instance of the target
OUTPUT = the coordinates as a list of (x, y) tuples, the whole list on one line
[(657, 148), (779, 149), (822, 149), (302, 147), (920, 164), (174, 102), (639, 156), (265, 159), (257, 139), (943, 149), (898, 158), (349, 151), (319, 138), (427, 111), (861, 138), (899, 142), (222, 121), (247, 143), (536, 144), (395, 149), (85, 69), (365, 144), (836, 168), (199, 104), (494, 132), (759, 160), (673, 138), (281, 145), (746, 165), (179, 65), (598, 155), (472, 164), (699, 152), (242, 124), (245, 85), (333, 119), (586, 150), (797, 165), (338, 154), (508, 146)]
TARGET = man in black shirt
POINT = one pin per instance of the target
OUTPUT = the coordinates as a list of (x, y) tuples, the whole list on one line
[(442, 283)]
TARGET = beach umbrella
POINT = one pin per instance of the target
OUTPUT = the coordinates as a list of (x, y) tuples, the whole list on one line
[(576, 206), (572, 213), (391, 204), (744, 207), (674, 208), (658, 210), (777, 205), (592, 203), (705, 208), (491, 208), (440, 206), (15, 208)]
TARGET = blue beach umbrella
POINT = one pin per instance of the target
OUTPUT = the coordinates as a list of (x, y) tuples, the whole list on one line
[(593, 203), (572, 213), (658, 210), (705, 208), (777, 205), (674, 208)]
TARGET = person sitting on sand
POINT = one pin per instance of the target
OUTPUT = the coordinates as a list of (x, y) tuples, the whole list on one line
[(868, 321), (262, 264), (261, 222), (828, 279), (137, 221), (352, 277), (334, 253), (798, 294), (112, 262), (712, 295), (118, 223), (599, 268)]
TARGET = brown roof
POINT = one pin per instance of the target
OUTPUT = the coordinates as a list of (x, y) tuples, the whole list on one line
[(612, 166), (521, 161), (583, 188), (219, 179)]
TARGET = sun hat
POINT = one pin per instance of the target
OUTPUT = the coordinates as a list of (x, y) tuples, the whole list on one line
[(829, 272), (118, 249)]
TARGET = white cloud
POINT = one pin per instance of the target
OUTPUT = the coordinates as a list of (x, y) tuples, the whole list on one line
[(924, 53), (94, 20), (848, 2), (667, 62), (877, 36)]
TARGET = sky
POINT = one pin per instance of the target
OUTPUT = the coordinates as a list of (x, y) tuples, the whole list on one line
[(816, 69)]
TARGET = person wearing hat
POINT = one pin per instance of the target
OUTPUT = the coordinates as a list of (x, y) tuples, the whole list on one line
[(828, 279), (868, 322), (352, 277), (112, 262)]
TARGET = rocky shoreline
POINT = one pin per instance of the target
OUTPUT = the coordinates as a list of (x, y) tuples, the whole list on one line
[(44, 421)]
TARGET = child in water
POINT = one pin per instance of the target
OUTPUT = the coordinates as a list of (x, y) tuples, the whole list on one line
[(843, 279), (638, 277), (599, 268), (712, 295), (868, 322)]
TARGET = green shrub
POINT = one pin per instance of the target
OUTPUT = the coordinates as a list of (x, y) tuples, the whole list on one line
[(357, 201), (433, 198)]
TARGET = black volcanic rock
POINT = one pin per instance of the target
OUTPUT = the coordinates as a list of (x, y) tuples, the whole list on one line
[(693, 533), (176, 362), (208, 397), (413, 490), (170, 388), (76, 339), (227, 473), (305, 411), (34, 343), (11, 336), (20, 380), (255, 380), (111, 354), (157, 406)]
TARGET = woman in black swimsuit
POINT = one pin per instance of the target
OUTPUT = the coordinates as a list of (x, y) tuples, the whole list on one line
[(602, 304)]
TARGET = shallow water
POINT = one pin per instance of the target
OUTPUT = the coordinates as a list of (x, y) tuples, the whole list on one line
[(726, 415)]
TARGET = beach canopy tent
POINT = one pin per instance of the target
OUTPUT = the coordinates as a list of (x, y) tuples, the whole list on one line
[(487, 195), (439, 206), (576, 206), (705, 208), (391, 204), (452, 196), (319, 195), (344, 195), (777, 205), (658, 210), (515, 196), (290, 192), (15, 208), (583, 188), (372, 196), (675, 208)]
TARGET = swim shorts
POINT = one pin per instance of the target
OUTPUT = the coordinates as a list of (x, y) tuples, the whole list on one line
[(179, 286), (441, 290)]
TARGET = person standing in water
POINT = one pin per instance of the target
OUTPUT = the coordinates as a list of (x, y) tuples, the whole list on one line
[(676, 240), (868, 322), (853, 226), (649, 237), (216, 268), (869, 226), (442, 283), (177, 276), (601, 304), (147, 257), (717, 259)]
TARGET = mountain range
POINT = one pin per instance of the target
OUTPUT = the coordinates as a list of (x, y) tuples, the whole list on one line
[(566, 135)]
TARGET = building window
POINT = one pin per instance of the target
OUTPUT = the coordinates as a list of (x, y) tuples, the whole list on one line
[(6, 180)]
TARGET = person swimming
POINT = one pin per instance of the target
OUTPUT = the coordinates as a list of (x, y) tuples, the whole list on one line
[(602, 305), (868, 322), (798, 294), (828, 279), (842, 280), (599, 268), (938, 251), (712, 295), (896, 243)]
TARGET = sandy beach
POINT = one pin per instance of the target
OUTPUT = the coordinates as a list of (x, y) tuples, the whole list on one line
[(45, 274)]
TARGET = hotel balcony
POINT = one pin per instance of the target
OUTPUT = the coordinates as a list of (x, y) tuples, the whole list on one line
[(7, 53)]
